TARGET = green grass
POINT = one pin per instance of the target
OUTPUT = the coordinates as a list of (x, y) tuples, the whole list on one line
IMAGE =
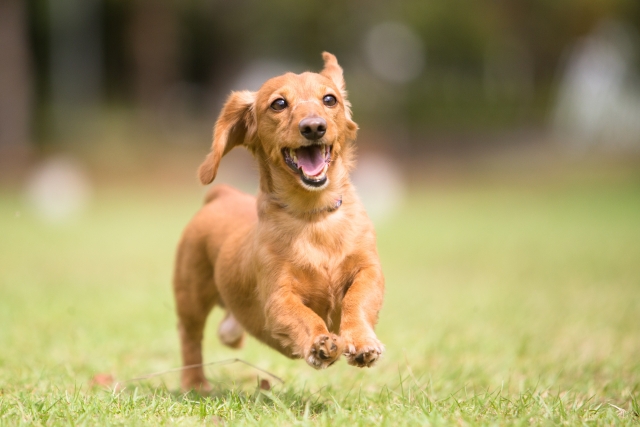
[(505, 305)]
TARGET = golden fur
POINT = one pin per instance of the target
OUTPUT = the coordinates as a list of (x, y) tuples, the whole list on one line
[(292, 266)]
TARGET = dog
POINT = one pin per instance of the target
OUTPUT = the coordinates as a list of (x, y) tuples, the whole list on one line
[(297, 265)]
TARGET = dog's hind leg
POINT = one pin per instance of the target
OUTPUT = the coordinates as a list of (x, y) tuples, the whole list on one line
[(230, 332), (195, 295)]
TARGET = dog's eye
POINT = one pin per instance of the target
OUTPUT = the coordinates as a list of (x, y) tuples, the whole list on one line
[(279, 104), (329, 100)]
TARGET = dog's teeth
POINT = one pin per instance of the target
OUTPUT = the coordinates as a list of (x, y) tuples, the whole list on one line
[(327, 152)]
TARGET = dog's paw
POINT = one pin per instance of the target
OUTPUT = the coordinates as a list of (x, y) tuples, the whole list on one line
[(363, 353), (324, 351)]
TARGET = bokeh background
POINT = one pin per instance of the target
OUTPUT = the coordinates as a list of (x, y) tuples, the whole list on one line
[(110, 90), (499, 156)]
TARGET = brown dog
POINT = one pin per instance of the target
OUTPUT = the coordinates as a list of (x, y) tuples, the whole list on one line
[(296, 267)]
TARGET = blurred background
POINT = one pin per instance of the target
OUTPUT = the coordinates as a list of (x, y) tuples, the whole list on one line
[(107, 91), (498, 155)]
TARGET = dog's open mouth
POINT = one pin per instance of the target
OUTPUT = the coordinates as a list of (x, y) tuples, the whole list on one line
[(311, 162)]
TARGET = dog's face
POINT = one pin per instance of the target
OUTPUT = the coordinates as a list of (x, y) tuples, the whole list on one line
[(301, 123), (298, 124)]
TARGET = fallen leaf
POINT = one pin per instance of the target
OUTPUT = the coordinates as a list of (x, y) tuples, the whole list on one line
[(102, 380), (265, 385)]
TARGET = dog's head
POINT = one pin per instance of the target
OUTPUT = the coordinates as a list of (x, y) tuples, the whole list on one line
[(298, 126)]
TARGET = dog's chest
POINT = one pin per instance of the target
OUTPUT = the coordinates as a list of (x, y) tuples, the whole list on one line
[(321, 287), (321, 262), (320, 258), (322, 248)]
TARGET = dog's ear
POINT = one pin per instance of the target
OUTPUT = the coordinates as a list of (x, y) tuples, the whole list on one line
[(235, 126), (333, 71)]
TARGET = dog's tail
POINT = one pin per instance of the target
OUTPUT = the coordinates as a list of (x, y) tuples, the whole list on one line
[(216, 191)]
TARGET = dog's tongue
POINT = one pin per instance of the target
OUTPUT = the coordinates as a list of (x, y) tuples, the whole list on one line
[(310, 159)]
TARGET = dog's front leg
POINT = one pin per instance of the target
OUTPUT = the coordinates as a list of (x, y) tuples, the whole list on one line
[(300, 332), (360, 308)]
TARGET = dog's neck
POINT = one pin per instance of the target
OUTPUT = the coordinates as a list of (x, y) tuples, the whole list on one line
[(323, 209)]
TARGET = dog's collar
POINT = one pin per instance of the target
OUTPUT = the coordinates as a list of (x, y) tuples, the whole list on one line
[(328, 209), (336, 204)]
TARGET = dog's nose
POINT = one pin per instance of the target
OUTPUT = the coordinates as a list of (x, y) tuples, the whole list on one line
[(313, 128)]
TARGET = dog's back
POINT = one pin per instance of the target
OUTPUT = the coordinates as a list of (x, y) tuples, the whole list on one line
[(225, 210)]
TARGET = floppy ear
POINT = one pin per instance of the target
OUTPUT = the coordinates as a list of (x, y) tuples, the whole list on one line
[(235, 126), (333, 71)]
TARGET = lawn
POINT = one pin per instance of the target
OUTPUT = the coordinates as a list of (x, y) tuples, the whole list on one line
[(506, 304)]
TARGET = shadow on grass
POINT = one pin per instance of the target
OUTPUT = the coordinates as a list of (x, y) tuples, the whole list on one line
[(228, 402)]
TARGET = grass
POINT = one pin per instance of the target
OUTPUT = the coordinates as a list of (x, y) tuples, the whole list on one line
[(505, 304)]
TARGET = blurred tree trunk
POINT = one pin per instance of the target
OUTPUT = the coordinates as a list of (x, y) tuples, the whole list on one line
[(76, 61), (15, 87), (154, 50)]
